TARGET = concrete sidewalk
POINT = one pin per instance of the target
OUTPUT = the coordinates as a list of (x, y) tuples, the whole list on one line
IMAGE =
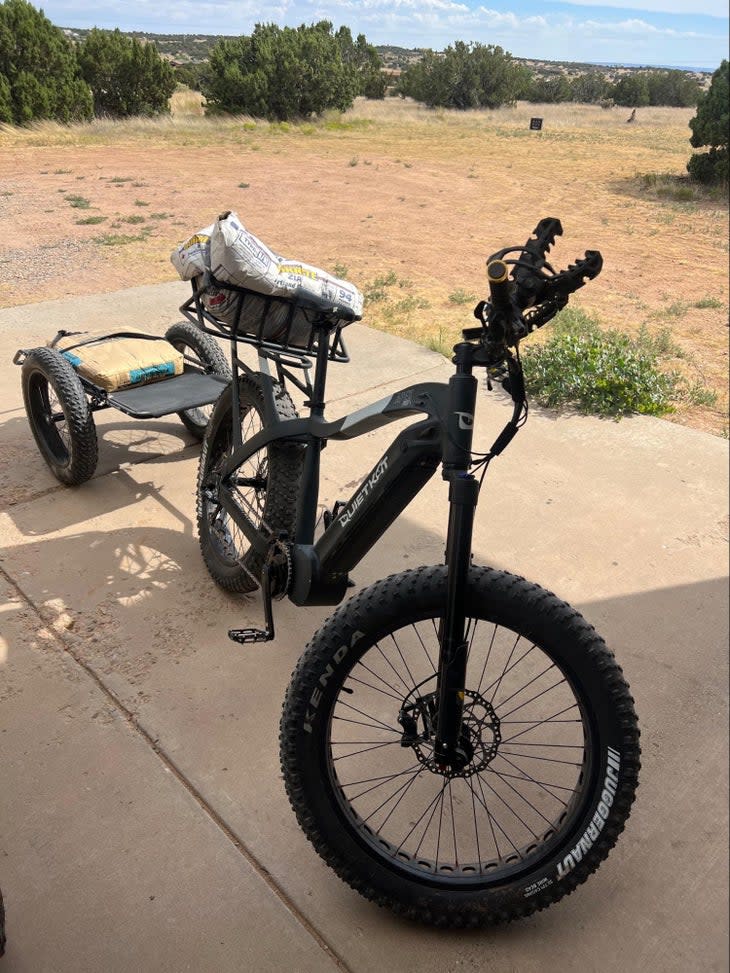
[(143, 821)]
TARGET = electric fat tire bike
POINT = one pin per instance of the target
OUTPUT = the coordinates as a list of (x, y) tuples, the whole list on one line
[(457, 743)]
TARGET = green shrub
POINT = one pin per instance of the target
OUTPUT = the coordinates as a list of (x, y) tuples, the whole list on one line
[(460, 296), (710, 128), (282, 73), (596, 371), (363, 59), (465, 76), (39, 71), (126, 76), (709, 167)]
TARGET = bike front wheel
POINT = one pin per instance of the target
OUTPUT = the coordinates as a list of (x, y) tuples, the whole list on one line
[(549, 732)]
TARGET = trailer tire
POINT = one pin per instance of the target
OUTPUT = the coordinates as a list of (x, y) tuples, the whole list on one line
[(50, 388), (188, 338)]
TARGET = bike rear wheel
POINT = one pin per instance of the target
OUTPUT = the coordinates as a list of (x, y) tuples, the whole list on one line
[(266, 486), (549, 730)]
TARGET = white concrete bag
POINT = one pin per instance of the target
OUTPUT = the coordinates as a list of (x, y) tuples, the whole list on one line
[(236, 256), (193, 257)]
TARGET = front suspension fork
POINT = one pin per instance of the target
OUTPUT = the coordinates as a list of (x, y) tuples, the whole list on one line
[(463, 495), (454, 646)]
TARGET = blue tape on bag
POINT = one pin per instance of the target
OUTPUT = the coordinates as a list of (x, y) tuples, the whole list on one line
[(152, 371)]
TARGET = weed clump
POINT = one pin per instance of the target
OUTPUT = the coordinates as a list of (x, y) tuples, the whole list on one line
[(460, 296), (599, 372)]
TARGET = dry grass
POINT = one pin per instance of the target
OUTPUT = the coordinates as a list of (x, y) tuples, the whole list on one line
[(187, 104), (432, 194)]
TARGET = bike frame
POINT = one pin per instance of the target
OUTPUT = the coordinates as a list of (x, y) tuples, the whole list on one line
[(320, 569)]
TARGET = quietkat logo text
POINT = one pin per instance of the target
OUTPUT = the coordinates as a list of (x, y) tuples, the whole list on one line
[(364, 493), (590, 836)]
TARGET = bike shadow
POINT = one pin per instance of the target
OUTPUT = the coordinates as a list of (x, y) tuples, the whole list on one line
[(134, 603), (25, 477)]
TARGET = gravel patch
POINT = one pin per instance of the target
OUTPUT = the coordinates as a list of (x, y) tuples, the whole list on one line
[(47, 261)]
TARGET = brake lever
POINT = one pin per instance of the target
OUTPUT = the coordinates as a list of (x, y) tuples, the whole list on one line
[(558, 289), (574, 276), (544, 237), (529, 281)]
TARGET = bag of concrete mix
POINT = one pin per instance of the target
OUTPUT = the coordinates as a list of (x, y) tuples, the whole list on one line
[(193, 257), (239, 257), (290, 290), (121, 362)]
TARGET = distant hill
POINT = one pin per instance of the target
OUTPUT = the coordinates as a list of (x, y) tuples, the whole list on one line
[(179, 48), (195, 48)]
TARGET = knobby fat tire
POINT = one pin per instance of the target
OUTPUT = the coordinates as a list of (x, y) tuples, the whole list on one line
[(186, 335), (284, 475), (563, 635), (71, 463)]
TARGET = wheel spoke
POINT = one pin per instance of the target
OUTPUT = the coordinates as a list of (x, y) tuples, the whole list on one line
[(423, 646), (533, 698), (417, 812), (376, 746), (378, 676), (529, 683), (486, 661), (375, 722)]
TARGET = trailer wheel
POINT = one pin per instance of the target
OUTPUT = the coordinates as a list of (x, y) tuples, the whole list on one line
[(203, 349), (59, 415)]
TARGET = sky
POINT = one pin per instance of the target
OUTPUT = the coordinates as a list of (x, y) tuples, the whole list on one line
[(692, 33)]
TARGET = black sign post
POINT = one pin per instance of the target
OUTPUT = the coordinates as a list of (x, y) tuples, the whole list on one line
[(535, 124)]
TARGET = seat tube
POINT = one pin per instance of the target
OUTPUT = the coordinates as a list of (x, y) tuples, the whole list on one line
[(307, 509), (463, 495)]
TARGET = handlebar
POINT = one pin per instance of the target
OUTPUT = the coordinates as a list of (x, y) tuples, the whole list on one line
[(533, 293), (500, 286)]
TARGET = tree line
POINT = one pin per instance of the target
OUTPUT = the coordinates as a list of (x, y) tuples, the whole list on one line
[(283, 73), (485, 76), (640, 89), (276, 73)]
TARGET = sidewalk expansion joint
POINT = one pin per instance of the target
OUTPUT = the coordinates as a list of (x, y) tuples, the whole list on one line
[(133, 722)]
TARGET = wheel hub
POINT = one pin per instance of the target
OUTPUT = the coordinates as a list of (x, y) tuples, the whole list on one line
[(478, 743)]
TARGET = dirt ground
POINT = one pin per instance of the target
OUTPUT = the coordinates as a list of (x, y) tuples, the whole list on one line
[(406, 202)]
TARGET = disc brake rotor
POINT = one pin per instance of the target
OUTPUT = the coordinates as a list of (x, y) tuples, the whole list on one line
[(480, 733)]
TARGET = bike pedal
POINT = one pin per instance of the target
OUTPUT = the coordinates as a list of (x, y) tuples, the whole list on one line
[(245, 636)]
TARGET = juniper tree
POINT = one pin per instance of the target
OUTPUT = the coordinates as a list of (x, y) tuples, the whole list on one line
[(127, 77), (280, 73), (39, 70), (710, 128)]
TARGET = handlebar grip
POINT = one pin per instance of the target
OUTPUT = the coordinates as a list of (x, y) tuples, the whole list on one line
[(500, 286)]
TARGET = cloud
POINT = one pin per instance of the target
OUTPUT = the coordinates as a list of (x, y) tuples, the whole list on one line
[(556, 30), (709, 8), (633, 26)]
